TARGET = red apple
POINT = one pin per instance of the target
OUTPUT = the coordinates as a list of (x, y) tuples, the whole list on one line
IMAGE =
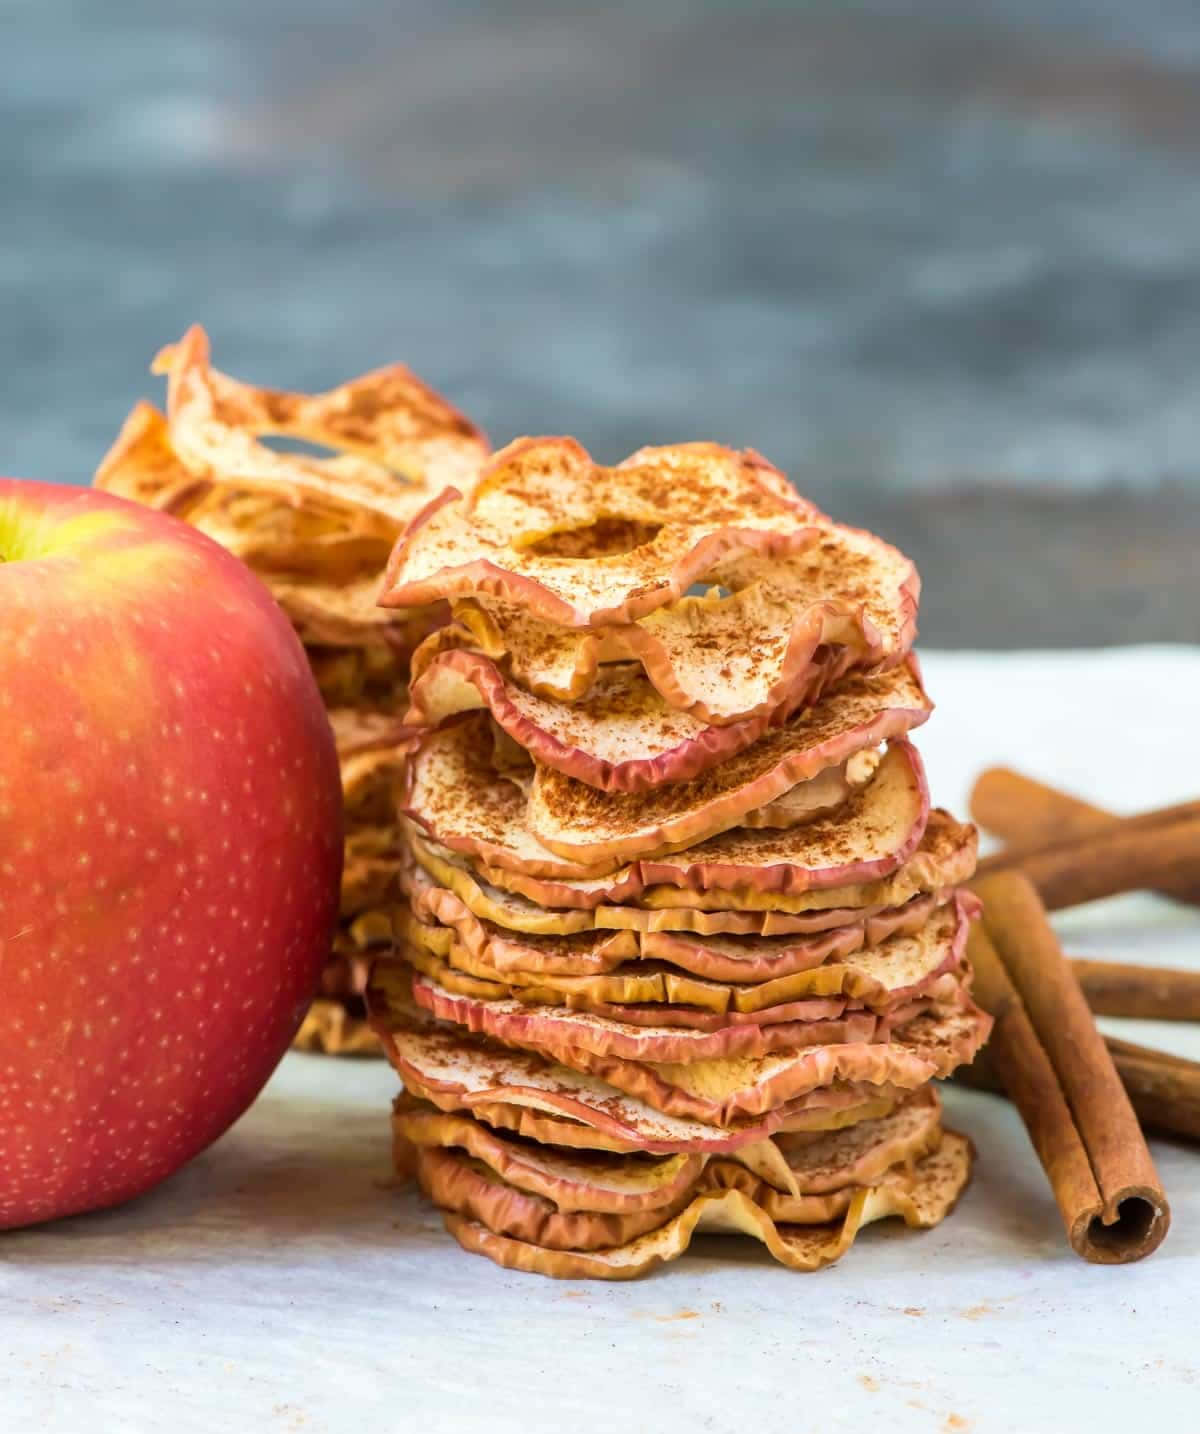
[(170, 846)]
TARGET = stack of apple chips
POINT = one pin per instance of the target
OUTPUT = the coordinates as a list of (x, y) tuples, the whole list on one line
[(681, 947), (317, 530)]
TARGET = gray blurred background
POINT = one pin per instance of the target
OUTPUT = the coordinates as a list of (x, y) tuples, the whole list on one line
[(940, 260)]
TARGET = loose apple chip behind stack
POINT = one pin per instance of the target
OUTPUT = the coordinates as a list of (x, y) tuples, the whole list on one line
[(681, 943), (318, 531)]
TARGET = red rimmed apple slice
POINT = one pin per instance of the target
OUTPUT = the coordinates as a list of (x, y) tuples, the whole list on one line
[(921, 1194), (587, 826), (583, 545)]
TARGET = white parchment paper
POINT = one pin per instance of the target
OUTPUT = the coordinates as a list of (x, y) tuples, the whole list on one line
[(278, 1284)]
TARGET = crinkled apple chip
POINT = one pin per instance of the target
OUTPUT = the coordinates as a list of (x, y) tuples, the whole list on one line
[(458, 797), (849, 1047), (556, 1029), (399, 440), (593, 1181), (591, 827), (142, 465), (922, 1195), (584, 545), (648, 987), (467, 1185), (945, 857), (767, 639), (620, 736), (727, 1090), (713, 957), (330, 1029), (456, 1071), (763, 1156), (369, 874), (611, 1182)]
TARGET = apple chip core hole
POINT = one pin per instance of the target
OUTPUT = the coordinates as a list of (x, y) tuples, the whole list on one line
[(604, 538)]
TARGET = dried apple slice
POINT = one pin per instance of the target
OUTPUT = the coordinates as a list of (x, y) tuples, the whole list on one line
[(587, 826), (605, 1045), (574, 1182), (583, 545), (922, 1196), (763, 1155), (572, 1205), (458, 797), (142, 466), (486, 899), (802, 984), (945, 857), (725, 1091), (386, 424), (610, 1182), (784, 630), (456, 1071), (619, 737), (556, 1029)]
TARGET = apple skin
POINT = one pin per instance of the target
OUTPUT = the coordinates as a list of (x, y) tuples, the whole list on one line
[(170, 846)]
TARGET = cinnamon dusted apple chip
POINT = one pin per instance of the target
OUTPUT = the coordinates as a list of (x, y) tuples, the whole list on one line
[(467, 1186), (621, 736), (731, 1073), (142, 466), (650, 989), (727, 1092), (583, 545), (520, 913), (922, 1196), (456, 1071), (557, 1029), (388, 425), (763, 1156), (618, 1183), (945, 857), (594, 1181), (578, 822), (770, 637)]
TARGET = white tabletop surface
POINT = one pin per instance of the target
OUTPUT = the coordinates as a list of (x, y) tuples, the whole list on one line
[(278, 1284)]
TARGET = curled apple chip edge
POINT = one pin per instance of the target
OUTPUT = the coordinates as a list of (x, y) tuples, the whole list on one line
[(398, 440), (922, 1197), (585, 545)]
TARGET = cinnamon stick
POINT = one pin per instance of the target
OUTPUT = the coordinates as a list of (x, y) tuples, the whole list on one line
[(1127, 855), (1152, 993), (1164, 1090), (1053, 1063), (1029, 815)]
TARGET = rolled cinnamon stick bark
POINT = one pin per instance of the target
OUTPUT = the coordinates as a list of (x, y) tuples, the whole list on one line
[(1053, 1062), (1124, 856), (1164, 1090), (1030, 815), (1151, 993)]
